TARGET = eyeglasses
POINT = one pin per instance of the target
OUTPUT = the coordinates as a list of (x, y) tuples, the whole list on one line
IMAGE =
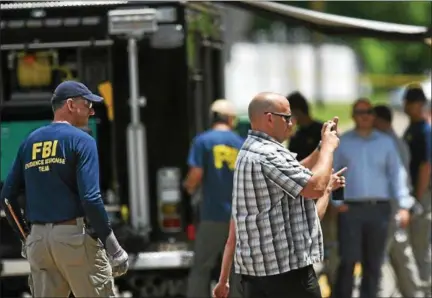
[(364, 112), (87, 102), (287, 117)]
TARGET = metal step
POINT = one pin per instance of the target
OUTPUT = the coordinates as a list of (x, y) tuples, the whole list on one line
[(160, 260)]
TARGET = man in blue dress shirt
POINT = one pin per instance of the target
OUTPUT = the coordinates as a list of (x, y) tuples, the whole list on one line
[(57, 167), (375, 176)]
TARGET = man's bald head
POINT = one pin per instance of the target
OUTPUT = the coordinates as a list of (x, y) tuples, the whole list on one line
[(265, 102), (270, 113)]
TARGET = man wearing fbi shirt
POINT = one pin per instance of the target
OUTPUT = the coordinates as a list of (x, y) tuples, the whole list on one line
[(211, 163), (418, 137), (57, 166)]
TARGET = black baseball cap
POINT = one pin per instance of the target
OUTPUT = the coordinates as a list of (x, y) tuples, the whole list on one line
[(297, 101), (71, 89), (414, 93)]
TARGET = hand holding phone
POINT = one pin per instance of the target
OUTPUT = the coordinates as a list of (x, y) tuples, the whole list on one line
[(335, 121)]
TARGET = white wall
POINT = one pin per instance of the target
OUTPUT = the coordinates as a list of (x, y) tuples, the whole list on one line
[(283, 68)]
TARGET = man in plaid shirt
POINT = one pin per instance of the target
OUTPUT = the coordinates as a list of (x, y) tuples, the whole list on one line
[(278, 232)]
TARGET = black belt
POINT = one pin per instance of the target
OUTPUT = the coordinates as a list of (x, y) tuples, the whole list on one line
[(367, 202), (70, 222)]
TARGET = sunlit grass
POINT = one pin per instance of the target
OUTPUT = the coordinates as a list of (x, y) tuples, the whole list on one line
[(342, 110)]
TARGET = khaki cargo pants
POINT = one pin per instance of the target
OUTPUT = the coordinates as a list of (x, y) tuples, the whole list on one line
[(64, 259)]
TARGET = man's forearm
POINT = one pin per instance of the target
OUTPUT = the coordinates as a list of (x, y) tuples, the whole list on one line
[(228, 254), (322, 170), (193, 180), (189, 185), (322, 203), (311, 160), (227, 261)]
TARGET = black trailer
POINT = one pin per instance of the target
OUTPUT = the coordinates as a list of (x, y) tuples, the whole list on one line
[(180, 73)]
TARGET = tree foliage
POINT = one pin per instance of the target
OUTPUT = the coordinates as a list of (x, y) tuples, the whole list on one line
[(380, 56)]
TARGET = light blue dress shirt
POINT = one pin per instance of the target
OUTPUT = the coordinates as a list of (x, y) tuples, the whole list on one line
[(375, 170)]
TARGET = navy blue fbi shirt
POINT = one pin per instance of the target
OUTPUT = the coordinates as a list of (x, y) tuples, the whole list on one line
[(418, 137), (215, 151), (58, 167)]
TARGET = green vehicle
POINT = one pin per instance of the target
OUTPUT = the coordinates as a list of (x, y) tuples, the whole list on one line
[(243, 125), (12, 133)]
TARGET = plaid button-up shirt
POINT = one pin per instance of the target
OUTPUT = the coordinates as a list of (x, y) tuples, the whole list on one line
[(277, 230)]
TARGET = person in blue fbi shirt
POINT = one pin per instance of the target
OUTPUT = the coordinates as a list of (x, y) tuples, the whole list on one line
[(57, 167), (212, 160), (418, 136)]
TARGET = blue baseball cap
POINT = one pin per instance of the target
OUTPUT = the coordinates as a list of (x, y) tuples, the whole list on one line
[(71, 89)]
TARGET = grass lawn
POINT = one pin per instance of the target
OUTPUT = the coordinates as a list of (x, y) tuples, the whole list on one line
[(330, 109), (342, 110)]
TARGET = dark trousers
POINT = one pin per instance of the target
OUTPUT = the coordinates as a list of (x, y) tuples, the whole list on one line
[(362, 237), (300, 283)]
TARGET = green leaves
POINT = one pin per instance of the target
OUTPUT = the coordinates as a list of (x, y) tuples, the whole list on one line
[(378, 56)]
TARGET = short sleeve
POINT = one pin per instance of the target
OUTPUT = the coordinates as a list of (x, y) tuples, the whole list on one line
[(196, 153), (286, 172)]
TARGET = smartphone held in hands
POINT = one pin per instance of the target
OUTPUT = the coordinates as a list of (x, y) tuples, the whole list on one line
[(338, 194)]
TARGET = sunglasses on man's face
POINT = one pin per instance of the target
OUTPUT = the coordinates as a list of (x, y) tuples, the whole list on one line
[(363, 112), (287, 117)]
